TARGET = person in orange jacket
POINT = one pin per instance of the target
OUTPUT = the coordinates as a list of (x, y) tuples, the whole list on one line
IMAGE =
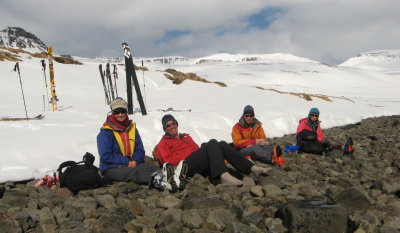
[(249, 138)]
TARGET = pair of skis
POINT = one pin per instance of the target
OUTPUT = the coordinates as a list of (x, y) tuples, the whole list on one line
[(110, 88), (131, 76)]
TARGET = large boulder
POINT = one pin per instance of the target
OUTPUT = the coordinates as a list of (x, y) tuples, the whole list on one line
[(313, 216)]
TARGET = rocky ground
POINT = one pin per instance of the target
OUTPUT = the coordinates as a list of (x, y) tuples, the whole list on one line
[(310, 193)]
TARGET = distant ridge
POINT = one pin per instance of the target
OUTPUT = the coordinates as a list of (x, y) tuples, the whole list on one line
[(16, 37)]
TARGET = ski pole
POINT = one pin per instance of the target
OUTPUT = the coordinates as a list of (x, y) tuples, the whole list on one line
[(16, 69), (144, 85), (45, 85), (115, 74)]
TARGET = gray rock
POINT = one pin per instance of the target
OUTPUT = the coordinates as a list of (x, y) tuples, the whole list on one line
[(170, 202), (314, 216), (192, 218), (273, 192), (141, 224), (354, 199), (10, 226), (47, 221), (219, 218)]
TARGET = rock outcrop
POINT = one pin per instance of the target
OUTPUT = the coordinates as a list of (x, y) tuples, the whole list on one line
[(310, 193)]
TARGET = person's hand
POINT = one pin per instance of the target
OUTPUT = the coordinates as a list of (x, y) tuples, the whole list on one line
[(132, 163), (259, 141)]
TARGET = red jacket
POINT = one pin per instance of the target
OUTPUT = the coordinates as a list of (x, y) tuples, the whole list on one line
[(175, 149), (303, 125)]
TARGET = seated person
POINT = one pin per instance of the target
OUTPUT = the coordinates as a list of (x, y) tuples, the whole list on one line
[(249, 138), (310, 137), (207, 160), (122, 154)]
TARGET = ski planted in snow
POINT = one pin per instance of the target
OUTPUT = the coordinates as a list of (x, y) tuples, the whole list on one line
[(131, 74), (45, 87), (115, 74), (110, 83), (104, 84), (38, 117), (54, 98)]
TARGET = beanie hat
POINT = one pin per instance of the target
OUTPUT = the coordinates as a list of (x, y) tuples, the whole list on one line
[(119, 103), (312, 111), (248, 110), (167, 118)]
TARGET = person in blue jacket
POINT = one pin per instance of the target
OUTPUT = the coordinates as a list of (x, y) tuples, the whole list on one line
[(122, 153)]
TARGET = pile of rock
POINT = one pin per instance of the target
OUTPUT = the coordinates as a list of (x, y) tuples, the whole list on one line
[(311, 193)]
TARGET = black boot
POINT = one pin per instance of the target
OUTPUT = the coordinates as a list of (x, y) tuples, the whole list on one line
[(348, 148)]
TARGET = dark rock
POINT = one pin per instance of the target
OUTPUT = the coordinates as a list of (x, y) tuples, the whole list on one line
[(354, 199), (314, 216), (204, 203), (366, 184), (9, 226)]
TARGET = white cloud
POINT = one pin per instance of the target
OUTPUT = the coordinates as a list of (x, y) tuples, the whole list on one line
[(327, 31)]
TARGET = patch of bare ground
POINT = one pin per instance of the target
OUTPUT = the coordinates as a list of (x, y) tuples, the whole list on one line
[(144, 68), (178, 77), (12, 54), (308, 97), (67, 60)]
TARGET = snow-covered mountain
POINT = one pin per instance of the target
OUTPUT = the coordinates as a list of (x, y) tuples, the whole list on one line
[(15, 37), (281, 87), (386, 61)]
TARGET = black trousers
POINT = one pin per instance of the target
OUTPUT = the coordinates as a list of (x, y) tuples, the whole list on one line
[(208, 160)]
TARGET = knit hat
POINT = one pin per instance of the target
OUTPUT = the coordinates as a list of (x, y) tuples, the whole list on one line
[(313, 111), (248, 110), (166, 118), (119, 103)]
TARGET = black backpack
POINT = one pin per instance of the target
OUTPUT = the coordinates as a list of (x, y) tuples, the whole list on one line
[(79, 176)]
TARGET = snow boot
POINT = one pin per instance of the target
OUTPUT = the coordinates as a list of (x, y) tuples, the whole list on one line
[(180, 174), (348, 148)]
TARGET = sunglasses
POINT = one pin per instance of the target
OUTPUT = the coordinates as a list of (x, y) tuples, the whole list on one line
[(119, 110), (169, 125), (314, 115), (249, 115)]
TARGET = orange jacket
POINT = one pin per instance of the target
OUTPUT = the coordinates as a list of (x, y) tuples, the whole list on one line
[(243, 137)]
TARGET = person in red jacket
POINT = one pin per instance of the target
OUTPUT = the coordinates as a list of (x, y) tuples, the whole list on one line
[(207, 160), (250, 140), (310, 136)]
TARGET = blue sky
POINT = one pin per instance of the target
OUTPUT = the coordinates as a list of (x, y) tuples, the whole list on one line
[(328, 31)]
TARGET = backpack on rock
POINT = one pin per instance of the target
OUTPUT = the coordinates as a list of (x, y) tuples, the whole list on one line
[(79, 176)]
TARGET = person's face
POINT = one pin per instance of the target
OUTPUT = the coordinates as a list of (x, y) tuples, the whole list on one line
[(120, 114), (171, 128), (248, 118), (314, 117)]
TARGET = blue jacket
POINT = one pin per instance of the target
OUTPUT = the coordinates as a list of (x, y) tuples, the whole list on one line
[(110, 152)]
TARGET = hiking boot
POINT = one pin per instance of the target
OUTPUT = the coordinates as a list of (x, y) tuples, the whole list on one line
[(157, 180), (277, 156), (180, 174), (168, 177), (348, 148)]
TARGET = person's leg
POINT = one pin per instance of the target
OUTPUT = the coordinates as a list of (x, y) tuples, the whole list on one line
[(140, 174), (207, 161), (233, 157), (261, 153), (240, 163)]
